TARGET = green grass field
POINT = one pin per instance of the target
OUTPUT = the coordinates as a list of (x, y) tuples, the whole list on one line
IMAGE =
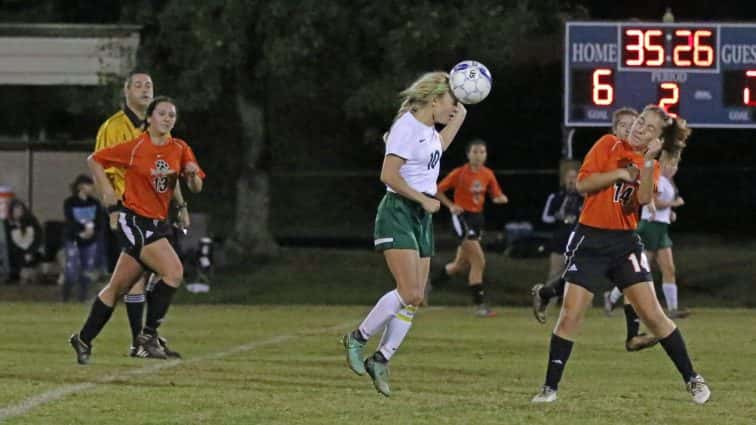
[(284, 365)]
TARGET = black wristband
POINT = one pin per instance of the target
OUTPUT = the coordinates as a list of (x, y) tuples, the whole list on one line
[(114, 208)]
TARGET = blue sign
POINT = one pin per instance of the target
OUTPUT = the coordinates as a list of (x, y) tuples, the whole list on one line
[(704, 72)]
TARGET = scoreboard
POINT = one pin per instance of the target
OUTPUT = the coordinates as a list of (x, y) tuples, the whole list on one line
[(704, 72)]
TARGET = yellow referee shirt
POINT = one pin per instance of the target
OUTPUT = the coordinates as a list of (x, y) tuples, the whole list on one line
[(121, 127)]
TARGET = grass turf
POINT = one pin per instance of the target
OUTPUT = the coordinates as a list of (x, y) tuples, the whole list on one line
[(283, 365)]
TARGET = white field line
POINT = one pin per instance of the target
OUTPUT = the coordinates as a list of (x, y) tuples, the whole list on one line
[(23, 407), (26, 405)]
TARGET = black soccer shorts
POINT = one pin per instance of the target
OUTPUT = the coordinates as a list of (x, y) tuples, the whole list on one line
[(598, 259)]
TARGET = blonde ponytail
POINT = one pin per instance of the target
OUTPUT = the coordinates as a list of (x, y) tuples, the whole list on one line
[(424, 90)]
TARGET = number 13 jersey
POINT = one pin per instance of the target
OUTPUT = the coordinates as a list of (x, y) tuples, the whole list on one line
[(615, 207), (152, 172)]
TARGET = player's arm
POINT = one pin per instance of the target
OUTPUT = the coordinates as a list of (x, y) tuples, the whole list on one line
[(661, 204), (193, 177), (647, 173), (183, 208), (595, 182), (191, 170), (593, 175), (103, 186), (448, 203), (390, 176), (449, 182), (494, 190), (119, 155), (452, 127)]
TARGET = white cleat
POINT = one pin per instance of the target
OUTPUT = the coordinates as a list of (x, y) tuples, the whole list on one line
[(698, 388), (547, 395)]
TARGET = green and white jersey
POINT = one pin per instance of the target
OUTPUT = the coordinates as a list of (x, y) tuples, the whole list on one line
[(666, 192), (420, 145)]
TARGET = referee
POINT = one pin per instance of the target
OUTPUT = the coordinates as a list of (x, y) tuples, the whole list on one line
[(123, 126)]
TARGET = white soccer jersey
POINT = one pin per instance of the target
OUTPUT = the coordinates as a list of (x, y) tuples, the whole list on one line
[(666, 192), (420, 145)]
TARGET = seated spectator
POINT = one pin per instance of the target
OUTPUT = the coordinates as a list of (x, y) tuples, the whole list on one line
[(84, 222), (24, 241)]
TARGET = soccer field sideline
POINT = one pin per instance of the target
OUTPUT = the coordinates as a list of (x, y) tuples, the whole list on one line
[(19, 409), (283, 365)]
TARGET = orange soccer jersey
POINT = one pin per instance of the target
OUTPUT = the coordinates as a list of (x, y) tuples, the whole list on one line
[(151, 172), (615, 207), (470, 186)]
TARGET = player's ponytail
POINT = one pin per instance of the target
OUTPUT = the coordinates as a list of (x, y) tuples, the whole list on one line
[(675, 131), (424, 90), (675, 136)]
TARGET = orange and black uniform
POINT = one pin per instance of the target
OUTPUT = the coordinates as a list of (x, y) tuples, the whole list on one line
[(604, 246), (151, 173), (470, 188)]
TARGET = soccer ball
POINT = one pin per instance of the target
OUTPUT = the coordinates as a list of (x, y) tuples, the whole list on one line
[(470, 82)]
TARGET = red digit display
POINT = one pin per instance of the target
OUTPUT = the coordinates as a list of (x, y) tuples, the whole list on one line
[(703, 52), (634, 48), (643, 48), (683, 47), (749, 92), (603, 87), (654, 44), (669, 97), (690, 47)]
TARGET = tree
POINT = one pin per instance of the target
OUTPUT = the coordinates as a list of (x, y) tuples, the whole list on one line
[(336, 64)]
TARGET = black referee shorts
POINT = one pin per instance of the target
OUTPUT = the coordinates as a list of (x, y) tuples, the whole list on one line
[(598, 259), (468, 225)]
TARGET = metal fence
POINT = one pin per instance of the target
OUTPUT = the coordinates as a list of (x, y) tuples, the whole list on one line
[(332, 203)]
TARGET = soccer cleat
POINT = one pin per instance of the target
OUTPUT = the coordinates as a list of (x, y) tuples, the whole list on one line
[(698, 388), (83, 351), (133, 351), (149, 347), (379, 373), (680, 313), (608, 304), (539, 304), (353, 349), (168, 352), (483, 311), (546, 395), (640, 342)]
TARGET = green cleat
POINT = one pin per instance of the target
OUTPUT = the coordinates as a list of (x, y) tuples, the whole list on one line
[(380, 374), (353, 349)]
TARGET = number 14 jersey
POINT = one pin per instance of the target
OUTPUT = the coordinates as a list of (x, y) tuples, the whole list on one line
[(615, 207)]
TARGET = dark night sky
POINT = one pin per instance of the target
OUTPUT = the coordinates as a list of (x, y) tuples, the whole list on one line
[(706, 10)]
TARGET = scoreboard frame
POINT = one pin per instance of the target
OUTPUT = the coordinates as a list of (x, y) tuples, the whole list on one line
[(713, 80)]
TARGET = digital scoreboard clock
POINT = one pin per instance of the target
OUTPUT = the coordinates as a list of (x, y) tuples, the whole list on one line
[(704, 72)]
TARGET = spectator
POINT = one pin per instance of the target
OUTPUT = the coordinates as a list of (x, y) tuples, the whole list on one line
[(24, 240), (84, 223), (562, 209)]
